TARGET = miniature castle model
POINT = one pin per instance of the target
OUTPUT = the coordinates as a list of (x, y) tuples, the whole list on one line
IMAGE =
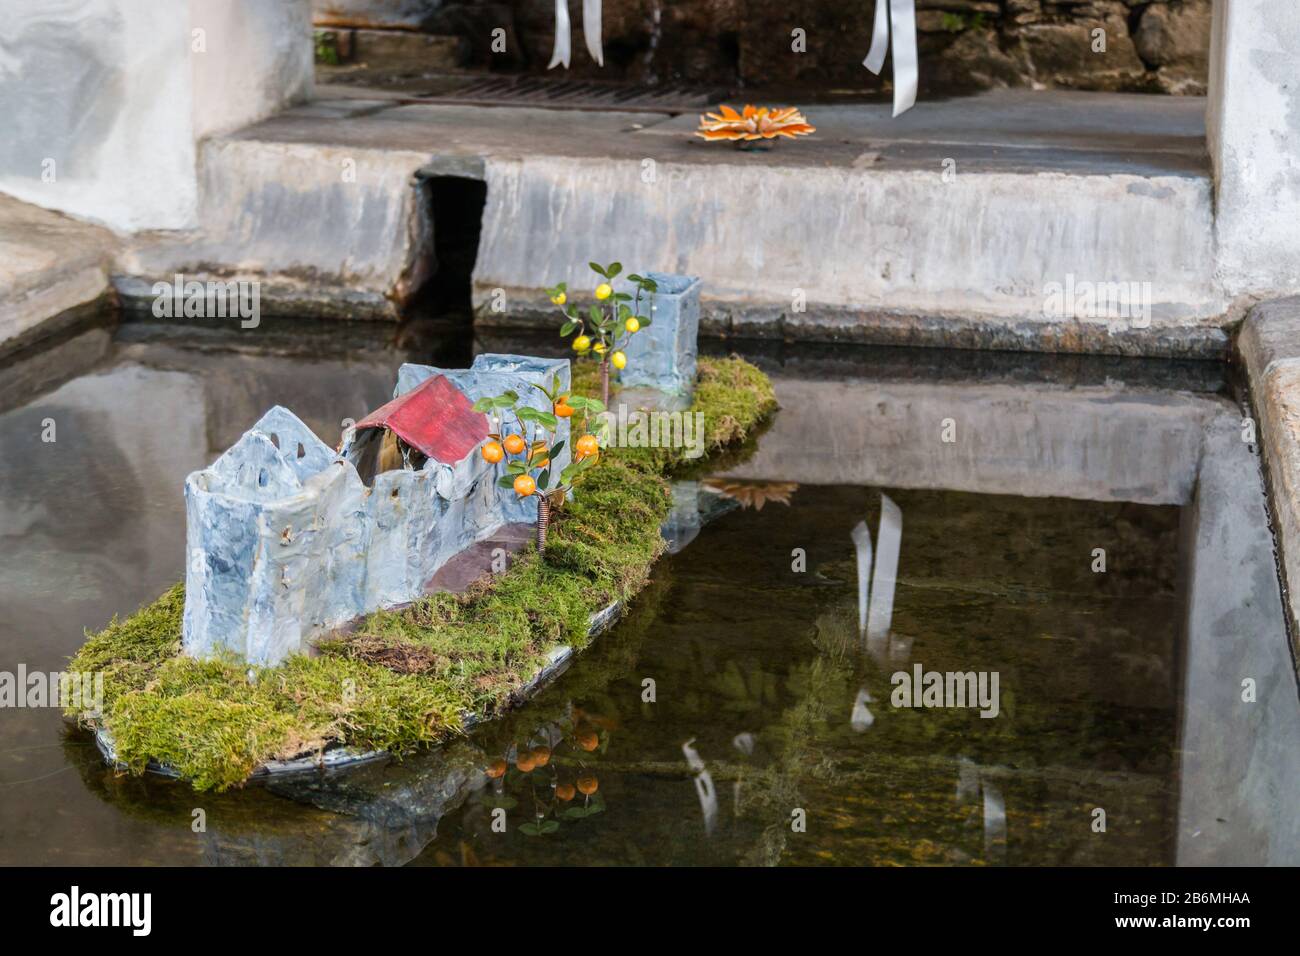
[(288, 539)]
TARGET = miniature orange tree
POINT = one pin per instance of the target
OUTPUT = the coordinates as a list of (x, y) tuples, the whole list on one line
[(527, 451), (609, 323)]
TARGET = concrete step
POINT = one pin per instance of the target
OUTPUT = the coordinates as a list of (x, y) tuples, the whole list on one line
[(1062, 221)]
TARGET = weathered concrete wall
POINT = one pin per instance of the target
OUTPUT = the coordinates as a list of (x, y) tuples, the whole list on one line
[(1253, 127), (844, 238), (344, 228), (1240, 758), (104, 100)]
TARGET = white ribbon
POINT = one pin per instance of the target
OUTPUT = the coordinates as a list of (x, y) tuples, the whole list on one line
[(560, 54), (562, 50), (902, 14), (591, 29)]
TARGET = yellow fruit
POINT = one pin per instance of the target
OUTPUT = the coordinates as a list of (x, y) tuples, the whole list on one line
[(525, 486), (600, 348), (632, 324), (587, 445), (493, 452), (581, 343), (514, 444), (604, 291), (618, 359), (559, 298)]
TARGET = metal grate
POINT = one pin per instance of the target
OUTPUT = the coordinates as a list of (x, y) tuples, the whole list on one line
[(558, 94)]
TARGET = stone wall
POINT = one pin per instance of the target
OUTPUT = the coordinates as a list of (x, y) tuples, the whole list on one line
[(1150, 45)]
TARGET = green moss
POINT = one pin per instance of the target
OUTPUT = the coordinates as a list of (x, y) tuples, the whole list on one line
[(405, 678)]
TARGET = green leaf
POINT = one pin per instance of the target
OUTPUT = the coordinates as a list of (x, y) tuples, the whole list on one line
[(613, 269), (530, 829), (598, 270), (556, 449), (548, 421), (568, 328), (550, 826), (527, 413), (516, 468), (506, 481), (594, 313), (484, 404), (544, 479)]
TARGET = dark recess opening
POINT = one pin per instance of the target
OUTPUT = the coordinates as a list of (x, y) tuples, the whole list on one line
[(456, 207)]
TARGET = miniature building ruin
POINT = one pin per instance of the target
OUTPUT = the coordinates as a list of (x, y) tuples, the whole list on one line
[(286, 541)]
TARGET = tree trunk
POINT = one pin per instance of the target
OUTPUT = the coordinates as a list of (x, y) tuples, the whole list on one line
[(604, 380), (543, 520)]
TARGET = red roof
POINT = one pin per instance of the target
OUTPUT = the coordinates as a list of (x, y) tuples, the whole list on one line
[(434, 417)]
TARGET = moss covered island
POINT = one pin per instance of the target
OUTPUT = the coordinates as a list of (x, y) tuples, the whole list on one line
[(405, 678)]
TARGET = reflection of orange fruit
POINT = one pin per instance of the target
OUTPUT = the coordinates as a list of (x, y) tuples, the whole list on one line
[(588, 740), (588, 784), (497, 768), (525, 761), (587, 446), (492, 452), (565, 791), (541, 756), (514, 444), (525, 486)]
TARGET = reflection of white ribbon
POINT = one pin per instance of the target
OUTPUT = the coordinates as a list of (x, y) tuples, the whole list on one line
[(902, 14), (560, 54)]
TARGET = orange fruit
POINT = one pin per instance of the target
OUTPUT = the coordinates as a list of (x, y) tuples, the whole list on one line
[(497, 768), (563, 409), (514, 444), (525, 761), (493, 452), (588, 784), (525, 486), (565, 791), (541, 756), (588, 740), (587, 445)]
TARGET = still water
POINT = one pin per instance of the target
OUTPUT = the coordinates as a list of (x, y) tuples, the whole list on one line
[(735, 715)]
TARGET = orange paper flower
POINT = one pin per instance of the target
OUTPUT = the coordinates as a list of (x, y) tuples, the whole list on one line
[(754, 123)]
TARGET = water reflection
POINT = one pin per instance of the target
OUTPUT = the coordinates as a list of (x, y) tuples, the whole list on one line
[(757, 664)]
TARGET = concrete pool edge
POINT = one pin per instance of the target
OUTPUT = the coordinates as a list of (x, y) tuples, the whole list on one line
[(1269, 348)]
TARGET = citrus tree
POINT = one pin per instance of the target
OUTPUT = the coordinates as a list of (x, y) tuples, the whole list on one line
[(526, 451), (605, 327)]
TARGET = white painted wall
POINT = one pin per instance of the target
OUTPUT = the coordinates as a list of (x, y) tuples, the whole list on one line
[(1253, 127), (104, 100)]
